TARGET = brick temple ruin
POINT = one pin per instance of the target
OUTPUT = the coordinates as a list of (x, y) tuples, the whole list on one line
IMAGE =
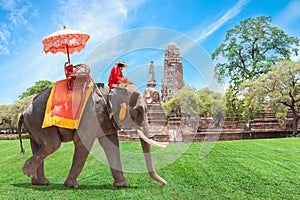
[(197, 129), (173, 72)]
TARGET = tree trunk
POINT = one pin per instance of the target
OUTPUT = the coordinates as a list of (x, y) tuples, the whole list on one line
[(295, 122)]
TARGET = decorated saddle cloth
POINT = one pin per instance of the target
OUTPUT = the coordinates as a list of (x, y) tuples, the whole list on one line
[(65, 107)]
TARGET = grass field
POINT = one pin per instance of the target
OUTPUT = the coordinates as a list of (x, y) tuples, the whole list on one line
[(245, 169)]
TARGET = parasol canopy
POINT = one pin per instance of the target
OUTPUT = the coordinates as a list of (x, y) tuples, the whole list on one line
[(66, 41)]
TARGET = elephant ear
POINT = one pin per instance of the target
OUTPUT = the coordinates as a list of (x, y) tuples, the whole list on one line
[(128, 107), (137, 108)]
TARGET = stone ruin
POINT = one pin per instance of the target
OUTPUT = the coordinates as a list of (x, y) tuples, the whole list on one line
[(175, 129)]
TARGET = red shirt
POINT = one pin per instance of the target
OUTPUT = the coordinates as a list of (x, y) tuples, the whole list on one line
[(115, 76)]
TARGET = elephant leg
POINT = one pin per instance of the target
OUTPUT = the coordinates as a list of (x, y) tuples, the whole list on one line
[(40, 179), (80, 155), (110, 145), (49, 143)]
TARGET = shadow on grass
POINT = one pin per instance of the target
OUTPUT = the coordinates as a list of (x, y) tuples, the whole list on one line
[(56, 186)]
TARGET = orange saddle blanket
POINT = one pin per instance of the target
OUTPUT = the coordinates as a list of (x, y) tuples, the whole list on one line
[(65, 107)]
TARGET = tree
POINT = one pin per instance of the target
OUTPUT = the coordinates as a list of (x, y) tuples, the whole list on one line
[(18, 107), (9, 114), (211, 104), (184, 103), (278, 88), (249, 50), (37, 88), (5, 122), (171, 108), (188, 102)]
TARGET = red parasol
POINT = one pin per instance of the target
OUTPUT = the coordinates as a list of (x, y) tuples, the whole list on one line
[(66, 41)]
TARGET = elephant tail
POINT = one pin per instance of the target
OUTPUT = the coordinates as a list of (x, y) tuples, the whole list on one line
[(21, 120)]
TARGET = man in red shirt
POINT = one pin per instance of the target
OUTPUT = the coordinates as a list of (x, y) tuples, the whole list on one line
[(115, 78), (116, 75)]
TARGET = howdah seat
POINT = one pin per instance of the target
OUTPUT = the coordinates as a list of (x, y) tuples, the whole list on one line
[(77, 76)]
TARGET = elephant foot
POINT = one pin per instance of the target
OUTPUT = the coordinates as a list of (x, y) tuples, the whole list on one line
[(121, 184), (71, 184), (40, 181), (28, 171)]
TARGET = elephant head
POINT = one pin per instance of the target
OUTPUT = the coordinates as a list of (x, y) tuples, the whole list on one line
[(130, 101)]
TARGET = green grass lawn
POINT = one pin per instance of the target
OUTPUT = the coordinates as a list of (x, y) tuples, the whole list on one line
[(245, 169)]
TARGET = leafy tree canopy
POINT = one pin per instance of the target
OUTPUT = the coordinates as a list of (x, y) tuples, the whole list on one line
[(210, 103), (183, 103), (9, 114), (189, 102), (250, 49), (37, 88), (278, 88)]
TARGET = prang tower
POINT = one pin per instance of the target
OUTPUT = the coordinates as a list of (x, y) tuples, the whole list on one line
[(173, 73)]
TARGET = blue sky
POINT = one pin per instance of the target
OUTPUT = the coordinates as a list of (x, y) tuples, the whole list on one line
[(24, 23)]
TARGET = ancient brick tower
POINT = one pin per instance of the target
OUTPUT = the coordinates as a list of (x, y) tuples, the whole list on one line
[(173, 73)]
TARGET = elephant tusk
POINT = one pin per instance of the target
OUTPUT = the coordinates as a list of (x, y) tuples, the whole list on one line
[(149, 141)]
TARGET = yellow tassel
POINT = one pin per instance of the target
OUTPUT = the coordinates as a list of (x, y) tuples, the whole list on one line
[(122, 113)]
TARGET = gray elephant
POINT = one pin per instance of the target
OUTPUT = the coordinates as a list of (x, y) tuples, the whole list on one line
[(95, 124)]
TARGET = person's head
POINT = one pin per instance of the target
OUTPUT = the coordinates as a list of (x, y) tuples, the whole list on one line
[(121, 64)]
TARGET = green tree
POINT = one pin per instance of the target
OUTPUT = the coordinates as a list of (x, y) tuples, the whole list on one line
[(211, 104), (171, 108), (279, 89), (188, 102), (37, 88), (18, 107), (184, 103), (250, 49), (9, 114), (5, 121)]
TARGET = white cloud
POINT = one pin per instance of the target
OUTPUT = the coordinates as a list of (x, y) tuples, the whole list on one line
[(8, 4), (18, 11), (295, 58), (4, 38), (210, 29), (16, 18), (101, 19)]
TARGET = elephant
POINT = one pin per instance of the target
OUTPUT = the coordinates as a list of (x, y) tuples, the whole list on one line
[(95, 123)]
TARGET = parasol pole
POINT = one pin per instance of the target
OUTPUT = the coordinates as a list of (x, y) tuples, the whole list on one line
[(68, 54), (65, 28)]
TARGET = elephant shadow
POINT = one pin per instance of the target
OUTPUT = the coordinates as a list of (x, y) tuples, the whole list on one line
[(57, 186)]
